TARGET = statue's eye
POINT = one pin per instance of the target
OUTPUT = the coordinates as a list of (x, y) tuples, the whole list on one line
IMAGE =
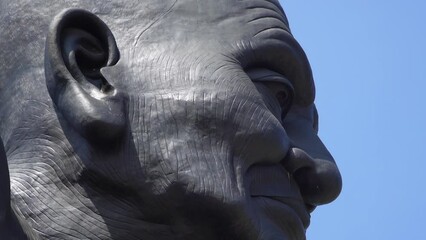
[(283, 94), (276, 90)]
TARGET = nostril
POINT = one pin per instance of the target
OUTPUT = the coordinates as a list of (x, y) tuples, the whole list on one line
[(318, 179), (320, 184), (309, 184)]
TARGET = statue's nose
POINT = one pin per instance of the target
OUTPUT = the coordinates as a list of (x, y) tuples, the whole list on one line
[(311, 165), (318, 179)]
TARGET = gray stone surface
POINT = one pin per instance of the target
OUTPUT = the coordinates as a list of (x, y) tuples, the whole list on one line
[(179, 119)]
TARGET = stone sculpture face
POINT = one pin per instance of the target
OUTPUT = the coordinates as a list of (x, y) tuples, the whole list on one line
[(164, 120)]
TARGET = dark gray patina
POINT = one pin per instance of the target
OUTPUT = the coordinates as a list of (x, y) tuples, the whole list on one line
[(181, 119)]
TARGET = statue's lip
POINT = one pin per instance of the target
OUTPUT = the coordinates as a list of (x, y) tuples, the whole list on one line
[(275, 187), (297, 206)]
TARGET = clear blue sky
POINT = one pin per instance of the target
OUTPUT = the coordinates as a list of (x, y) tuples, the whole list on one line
[(368, 60)]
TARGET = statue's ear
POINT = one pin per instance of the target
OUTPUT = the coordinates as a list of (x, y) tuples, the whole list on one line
[(78, 45)]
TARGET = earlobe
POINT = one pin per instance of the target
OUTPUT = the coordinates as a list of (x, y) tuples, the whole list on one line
[(78, 45)]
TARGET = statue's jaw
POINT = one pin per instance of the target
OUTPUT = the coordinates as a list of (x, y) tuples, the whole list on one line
[(92, 213)]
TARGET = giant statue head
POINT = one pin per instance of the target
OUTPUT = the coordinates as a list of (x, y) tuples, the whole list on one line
[(171, 119)]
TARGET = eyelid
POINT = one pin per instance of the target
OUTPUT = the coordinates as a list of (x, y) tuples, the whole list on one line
[(266, 75), (275, 83)]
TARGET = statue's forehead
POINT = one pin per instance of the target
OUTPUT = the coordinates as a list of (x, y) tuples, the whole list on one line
[(209, 9), (211, 19), (213, 11), (153, 20)]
